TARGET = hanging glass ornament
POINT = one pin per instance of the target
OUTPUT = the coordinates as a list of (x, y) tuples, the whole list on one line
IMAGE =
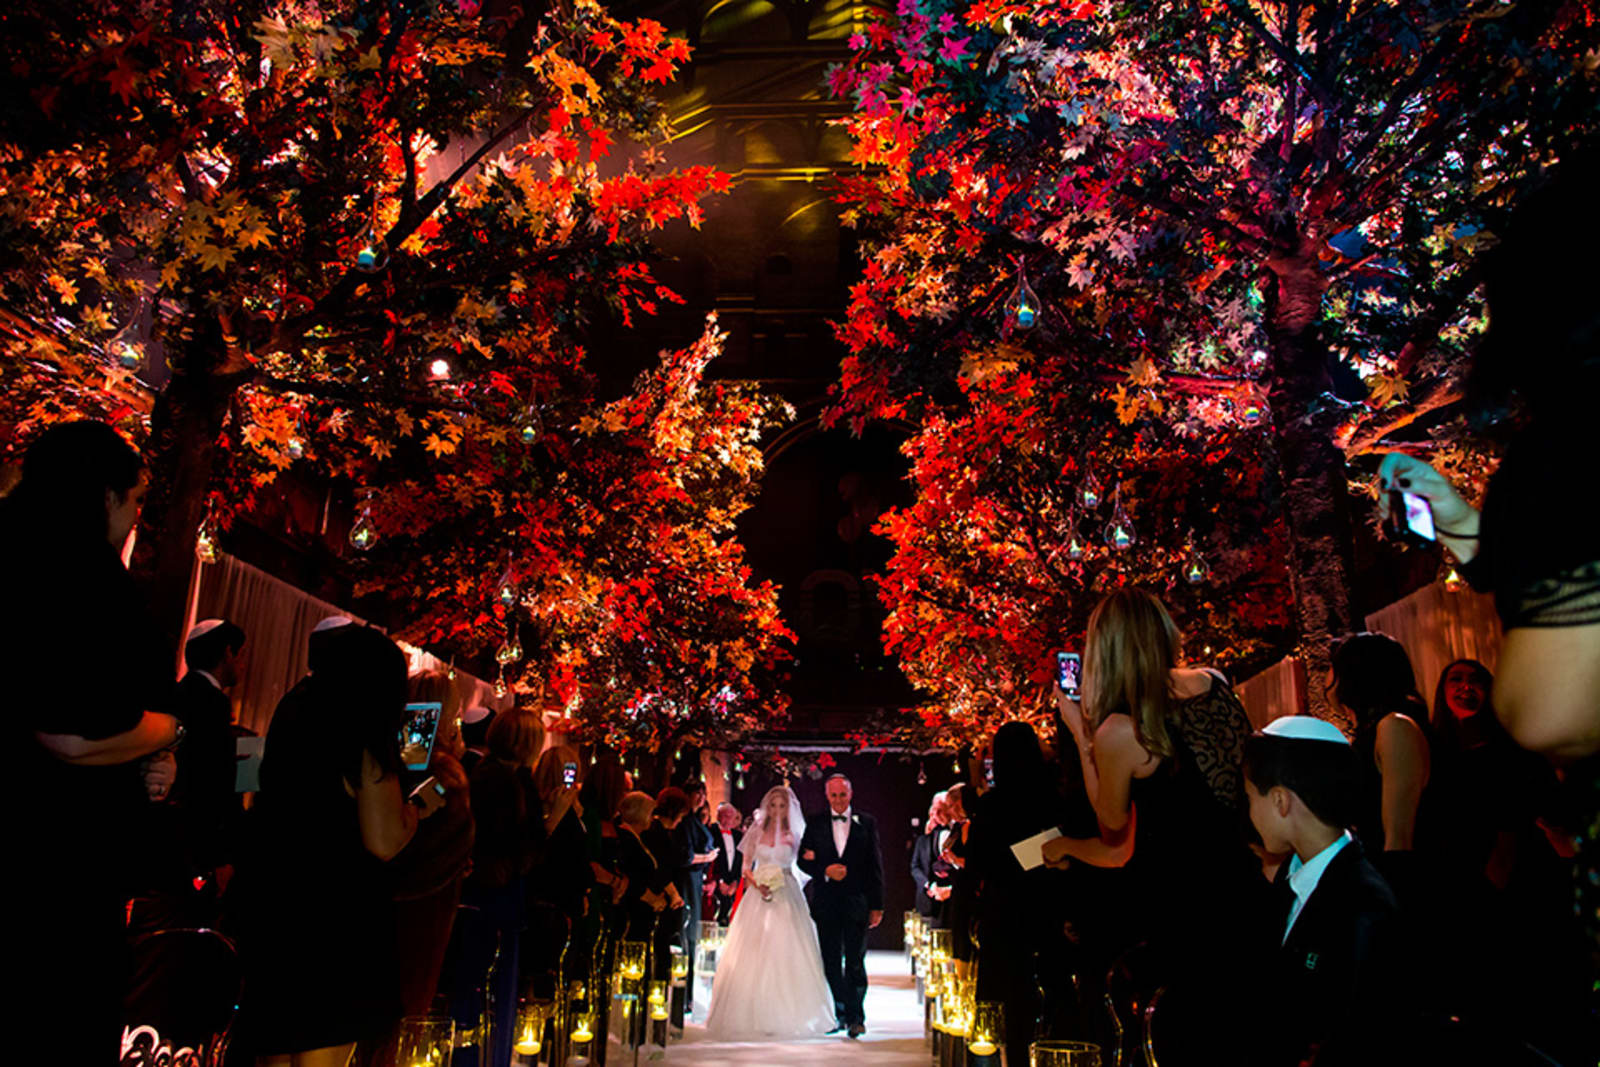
[(677, 754), (364, 534), (500, 687), (295, 447), (451, 673), (922, 774), (1075, 548), (372, 251), (1022, 310), (439, 369), (205, 545), (955, 765), (1453, 582), (1251, 412), (510, 651), (1120, 533), (128, 354), (532, 425), (1089, 488), (506, 591), (1195, 568)]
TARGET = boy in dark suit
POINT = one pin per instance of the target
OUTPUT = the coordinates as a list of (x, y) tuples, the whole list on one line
[(840, 851), (1330, 982)]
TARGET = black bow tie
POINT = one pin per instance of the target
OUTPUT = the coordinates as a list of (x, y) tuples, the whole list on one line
[(841, 818)]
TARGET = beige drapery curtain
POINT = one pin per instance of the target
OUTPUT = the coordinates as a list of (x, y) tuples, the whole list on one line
[(277, 619), (1437, 627), (1277, 691)]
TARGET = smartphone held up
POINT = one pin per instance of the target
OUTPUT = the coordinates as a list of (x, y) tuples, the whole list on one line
[(1069, 675), (1410, 517)]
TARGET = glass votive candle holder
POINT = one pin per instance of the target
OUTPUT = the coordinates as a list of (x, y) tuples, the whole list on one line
[(658, 1001), (987, 1033), (1063, 1054), (680, 966), (630, 959), (425, 1041), (582, 1027), (941, 943), (531, 1020)]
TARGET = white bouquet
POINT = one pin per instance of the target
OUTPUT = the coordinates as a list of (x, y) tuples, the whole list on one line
[(769, 877)]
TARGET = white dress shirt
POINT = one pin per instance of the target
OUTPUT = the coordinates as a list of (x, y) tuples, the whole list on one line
[(208, 676), (1303, 877), (841, 830), (729, 850)]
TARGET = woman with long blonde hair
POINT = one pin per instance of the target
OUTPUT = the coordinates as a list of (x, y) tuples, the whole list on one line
[(1161, 746)]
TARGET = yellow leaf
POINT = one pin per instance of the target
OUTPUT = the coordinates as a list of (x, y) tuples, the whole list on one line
[(66, 292), (439, 446), (1386, 389), (379, 448), (214, 257)]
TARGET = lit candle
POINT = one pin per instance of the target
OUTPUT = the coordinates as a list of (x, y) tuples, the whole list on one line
[(528, 1044), (982, 1046), (581, 1032), (658, 1011)]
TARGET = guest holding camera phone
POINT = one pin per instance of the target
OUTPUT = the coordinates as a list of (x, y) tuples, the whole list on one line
[(561, 877), (78, 750), (317, 915), (1160, 747)]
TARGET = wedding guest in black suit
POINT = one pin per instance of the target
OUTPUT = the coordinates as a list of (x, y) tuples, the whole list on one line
[(76, 739), (841, 852), (1335, 973), (192, 834), (725, 869), (927, 851)]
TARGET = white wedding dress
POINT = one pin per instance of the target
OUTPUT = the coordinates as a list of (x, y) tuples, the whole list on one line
[(769, 981)]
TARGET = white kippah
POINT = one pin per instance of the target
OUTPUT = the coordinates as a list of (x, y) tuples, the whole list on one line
[(1305, 728), (202, 628), (332, 622), (475, 714)]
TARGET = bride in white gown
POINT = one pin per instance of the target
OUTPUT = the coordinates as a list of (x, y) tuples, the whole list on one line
[(769, 980)]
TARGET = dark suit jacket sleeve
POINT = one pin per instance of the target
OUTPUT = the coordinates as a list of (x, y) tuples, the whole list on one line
[(811, 842), (874, 873), (922, 863), (206, 760)]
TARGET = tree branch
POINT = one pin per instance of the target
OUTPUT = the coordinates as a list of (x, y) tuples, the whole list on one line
[(1288, 55)]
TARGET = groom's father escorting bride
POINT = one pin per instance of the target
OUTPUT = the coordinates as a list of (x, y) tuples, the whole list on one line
[(840, 851)]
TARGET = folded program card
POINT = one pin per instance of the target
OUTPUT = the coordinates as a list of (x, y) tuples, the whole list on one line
[(1030, 850)]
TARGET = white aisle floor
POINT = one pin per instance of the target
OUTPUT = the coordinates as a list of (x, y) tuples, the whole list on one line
[(893, 1037)]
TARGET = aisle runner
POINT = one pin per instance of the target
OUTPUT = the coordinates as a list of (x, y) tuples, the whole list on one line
[(893, 1037)]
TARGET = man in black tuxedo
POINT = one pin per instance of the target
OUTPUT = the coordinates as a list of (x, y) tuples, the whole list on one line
[(840, 851), (188, 839), (728, 867)]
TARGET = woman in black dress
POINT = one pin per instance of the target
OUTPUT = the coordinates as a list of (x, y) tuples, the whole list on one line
[(1161, 749), (318, 925), (1015, 913), (81, 721), (1371, 681)]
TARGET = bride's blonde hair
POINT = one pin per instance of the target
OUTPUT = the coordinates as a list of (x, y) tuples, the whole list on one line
[(766, 802)]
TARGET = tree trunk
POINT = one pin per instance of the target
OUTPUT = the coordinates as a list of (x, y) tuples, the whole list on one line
[(180, 454), (1316, 496)]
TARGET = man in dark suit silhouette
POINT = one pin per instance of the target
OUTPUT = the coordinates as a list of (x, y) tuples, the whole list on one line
[(1332, 980), (840, 851), (728, 868)]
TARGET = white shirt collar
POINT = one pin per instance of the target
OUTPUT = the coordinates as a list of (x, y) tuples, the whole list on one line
[(1303, 877), (208, 676), (832, 814)]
